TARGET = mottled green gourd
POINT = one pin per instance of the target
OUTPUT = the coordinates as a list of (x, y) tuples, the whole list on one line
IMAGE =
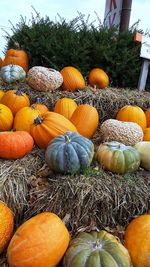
[(69, 153), (96, 249)]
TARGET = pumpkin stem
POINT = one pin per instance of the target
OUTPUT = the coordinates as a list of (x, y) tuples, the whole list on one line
[(67, 139), (38, 100), (16, 45), (38, 120), (66, 219)]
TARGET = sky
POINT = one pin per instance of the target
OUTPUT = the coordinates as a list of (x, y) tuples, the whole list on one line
[(67, 9)]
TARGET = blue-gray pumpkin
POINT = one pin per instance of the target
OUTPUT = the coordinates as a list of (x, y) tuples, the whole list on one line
[(12, 73), (69, 153)]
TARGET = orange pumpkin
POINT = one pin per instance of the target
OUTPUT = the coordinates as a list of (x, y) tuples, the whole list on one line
[(14, 145), (98, 78), (1, 94), (72, 79), (137, 240), (15, 100), (147, 114), (1, 62), (65, 107), (132, 114), (39, 242), (41, 107), (6, 118), (17, 57), (6, 225), (86, 119), (24, 118), (48, 126), (146, 132)]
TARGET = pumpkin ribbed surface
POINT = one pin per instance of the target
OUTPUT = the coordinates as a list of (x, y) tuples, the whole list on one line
[(98, 78), (65, 107), (6, 225), (1, 94), (72, 79), (16, 57), (39, 242), (6, 118), (96, 249)]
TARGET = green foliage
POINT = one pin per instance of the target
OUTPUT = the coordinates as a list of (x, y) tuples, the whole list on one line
[(80, 44)]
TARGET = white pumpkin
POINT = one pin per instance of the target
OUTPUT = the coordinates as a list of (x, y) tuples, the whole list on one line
[(144, 150), (12, 73)]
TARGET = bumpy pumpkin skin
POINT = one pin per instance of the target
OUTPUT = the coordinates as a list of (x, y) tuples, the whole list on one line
[(13, 73), (69, 153), (72, 79), (17, 57), (86, 119), (118, 158), (6, 118), (144, 150), (98, 78), (132, 114), (6, 225), (39, 242), (14, 145), (137, 240), (15, 100), (66, 107), (96, 249)]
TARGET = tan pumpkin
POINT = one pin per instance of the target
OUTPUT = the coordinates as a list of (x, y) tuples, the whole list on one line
[(65, 106), (147, 114), (40, 106), (6, 225), (146, 132), (72, 79), (6, 118), (49, 125), (39, 242), (15, 100), (24, 118), (86, 119), (98, 78), (132, 114)]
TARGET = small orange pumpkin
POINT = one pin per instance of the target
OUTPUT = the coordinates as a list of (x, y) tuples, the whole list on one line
[(132, 114), (15, 100), (1, 62), (65, 106), (98, 78), (147, 114), (41, 107), (24, 118), (6, 118), (49, 125), (6, 225), (1, 94), (72, 79), (41, 241), (86, 119)]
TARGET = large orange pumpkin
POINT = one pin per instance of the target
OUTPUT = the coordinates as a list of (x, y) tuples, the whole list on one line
[(137, 240), (39, 242), (16, 57), (15, 100), (72, 79), (85, 118), (1, 94), (24, 118), (98, 78), (147, 114), (14, 145), (6, 225), (132, 114), (49, 125), (65, 106), (6, 118)]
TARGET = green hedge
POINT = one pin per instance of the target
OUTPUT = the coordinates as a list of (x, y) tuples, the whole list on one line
[(81, 44)]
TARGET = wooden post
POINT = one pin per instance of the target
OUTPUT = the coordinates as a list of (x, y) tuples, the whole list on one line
[(125, 15), (143, 75)]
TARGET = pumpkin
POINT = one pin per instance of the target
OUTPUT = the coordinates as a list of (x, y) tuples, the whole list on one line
[(96, 249), (17, 57), (144, 150), (15, 100), (1, 94), (128, 133), (137, 240), (85, 118), (72, 79), (132, 114), (41, 107), (6, 118), (147, 114), (118, 158), (44, 79), (69, 153), (6, 225), (1, 62), (12, 73), (39, 242), (65, 106), (146, 132), (14, 145), (24, 118), (98, 78), (49, 125)]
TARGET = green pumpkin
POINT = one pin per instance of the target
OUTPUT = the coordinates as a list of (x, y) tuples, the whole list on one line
[(96, 249), (118, 158), (12, 73), (69, 153)]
